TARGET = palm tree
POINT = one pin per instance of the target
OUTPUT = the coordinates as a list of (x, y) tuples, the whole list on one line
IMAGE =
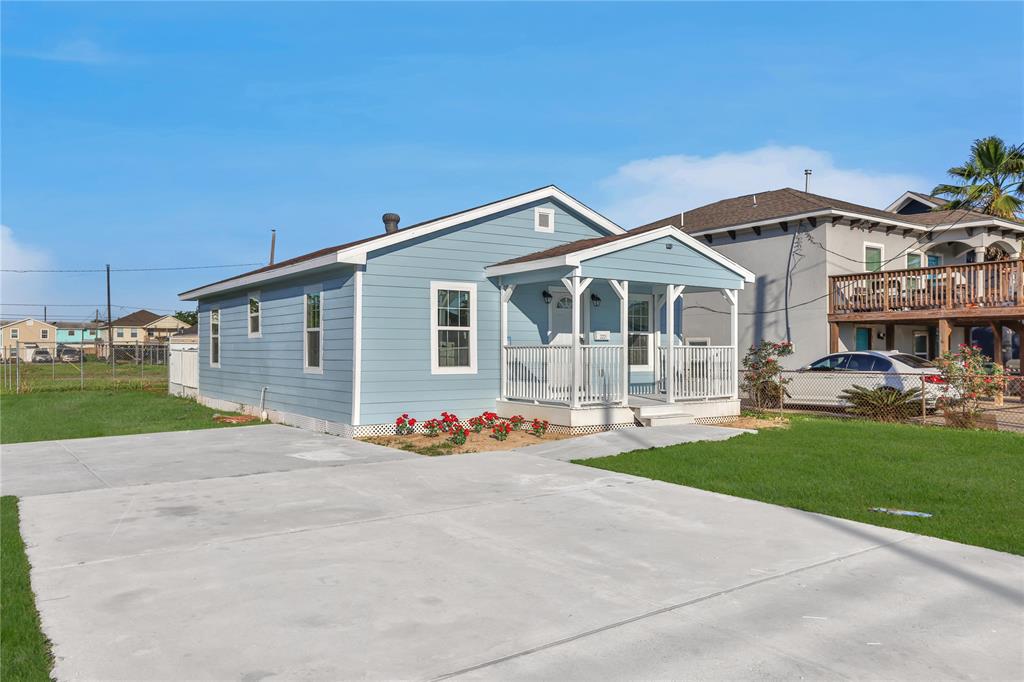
[(992, 180)]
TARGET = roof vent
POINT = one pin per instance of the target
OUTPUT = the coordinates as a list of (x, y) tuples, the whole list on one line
[(391, 222), (755, 201)]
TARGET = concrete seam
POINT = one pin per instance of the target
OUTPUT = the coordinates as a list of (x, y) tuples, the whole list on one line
[(662, 610), (83, 464)]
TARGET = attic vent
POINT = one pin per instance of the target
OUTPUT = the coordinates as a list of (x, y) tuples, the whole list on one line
[(543, 220), (391, 222)]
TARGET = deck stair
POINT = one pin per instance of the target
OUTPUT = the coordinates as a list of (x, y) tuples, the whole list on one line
[(662, 414)]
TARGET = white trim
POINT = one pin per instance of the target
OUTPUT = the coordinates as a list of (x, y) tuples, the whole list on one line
[(881, 253), (914, 252), (15, 333), (356, 254), (306, 369), (537, 213), (576, 258), (689, 340), (555, 292), (435, 286), (210, 335), (651, 324), (44, 334), (357, 344), (906, 198), (258, 334)]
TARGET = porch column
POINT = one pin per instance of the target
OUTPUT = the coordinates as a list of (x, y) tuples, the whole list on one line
[(944, 331), (656, 336), (576, 287), (505, 291), (732, 295), (671, 294), (833, 337), (997, 353), (621, 288)]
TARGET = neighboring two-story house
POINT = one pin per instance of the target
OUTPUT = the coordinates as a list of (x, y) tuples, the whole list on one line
[(25, 335), (143, 326), (833, 275)]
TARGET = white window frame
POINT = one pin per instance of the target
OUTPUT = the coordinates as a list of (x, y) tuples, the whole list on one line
[(220, 347), (881, 255), (703, 340), (306, 369), (15, 333), (44, 334), (927, 343), (537, 213), (470, 287), (649, 367), (920, 254), (255, 295), (134, 333), (119, 332)]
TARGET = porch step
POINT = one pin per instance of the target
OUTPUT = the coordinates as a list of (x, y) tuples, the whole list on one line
[(672, 420)]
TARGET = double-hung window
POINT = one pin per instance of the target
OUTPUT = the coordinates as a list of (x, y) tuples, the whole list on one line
[(120, 333), (453, 327), (313, 332), (254, 315), (14, 333), (640, 338), (44, 334), (872, 257), (215, 338)]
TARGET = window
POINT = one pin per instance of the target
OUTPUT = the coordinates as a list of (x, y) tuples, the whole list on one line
[(453, 328), (697, 341), (912, 360), (44, 334), (254, 315), (313, 333), (921, 344), (135, 333), (640, 337), (120, 333), (14, 333), (913, 260), (873, 254), (215, 338), (544, 220)]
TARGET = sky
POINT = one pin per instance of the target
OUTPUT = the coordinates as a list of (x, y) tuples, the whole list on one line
[(167, 135)]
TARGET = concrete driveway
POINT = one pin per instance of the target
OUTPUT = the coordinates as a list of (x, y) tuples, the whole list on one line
[(498, 566)]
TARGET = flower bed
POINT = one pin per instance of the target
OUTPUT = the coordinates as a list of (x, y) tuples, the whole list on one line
[(448, 435)]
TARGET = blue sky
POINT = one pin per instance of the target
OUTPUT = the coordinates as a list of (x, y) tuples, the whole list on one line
[(173, 134)]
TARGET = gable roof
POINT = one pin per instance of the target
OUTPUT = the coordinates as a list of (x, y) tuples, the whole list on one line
[(573, 253), (11, 323), (779, 205), (60, 324), (164, 317), (140, 318), (908, 196), (355, 252)]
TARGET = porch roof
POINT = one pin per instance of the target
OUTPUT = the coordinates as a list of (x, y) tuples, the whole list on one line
[(639, 252)]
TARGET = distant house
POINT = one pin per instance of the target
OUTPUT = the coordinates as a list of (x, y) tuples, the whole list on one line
[(532, 305), (27, 333), (77, 332), (143, 326)]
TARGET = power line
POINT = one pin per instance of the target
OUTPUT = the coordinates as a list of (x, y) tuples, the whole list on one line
[(184, 267)]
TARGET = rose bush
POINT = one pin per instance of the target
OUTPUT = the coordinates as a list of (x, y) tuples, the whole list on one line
[(404, 425), (968, 381), (762, 373)]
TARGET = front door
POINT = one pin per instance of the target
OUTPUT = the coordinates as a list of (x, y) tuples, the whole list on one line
[(863, 340), (560, 319)]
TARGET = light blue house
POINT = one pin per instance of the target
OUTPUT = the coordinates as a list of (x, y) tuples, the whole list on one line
[(75, 332), (520, 306)]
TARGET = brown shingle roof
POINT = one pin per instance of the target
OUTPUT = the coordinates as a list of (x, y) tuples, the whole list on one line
[(780, 203), (580, 245), (139, 318)]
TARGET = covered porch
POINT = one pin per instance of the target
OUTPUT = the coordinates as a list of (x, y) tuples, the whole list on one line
[(594, 332)]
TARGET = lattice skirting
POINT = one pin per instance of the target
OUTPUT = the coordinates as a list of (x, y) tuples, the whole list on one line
[(373, 430), (715, 420)]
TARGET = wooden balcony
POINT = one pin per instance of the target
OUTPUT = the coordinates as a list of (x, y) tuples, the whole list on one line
[(975, 291)]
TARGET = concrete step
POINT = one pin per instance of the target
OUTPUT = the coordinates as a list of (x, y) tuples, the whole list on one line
[(662, 410), (668, 420)]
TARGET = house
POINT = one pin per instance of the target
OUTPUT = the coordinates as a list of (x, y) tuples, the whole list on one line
[(833, 275), (26, 334), (534, 304), (143, 326), (78, 333)]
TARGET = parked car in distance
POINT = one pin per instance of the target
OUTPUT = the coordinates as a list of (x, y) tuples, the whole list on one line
[(67, 353), (42, 355), (823, 382)]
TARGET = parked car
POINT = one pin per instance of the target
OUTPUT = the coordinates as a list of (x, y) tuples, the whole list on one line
[(67, 353), (823, 382), (42, 355)]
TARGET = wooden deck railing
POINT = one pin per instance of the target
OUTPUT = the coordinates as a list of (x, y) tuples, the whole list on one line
[(992, 284)]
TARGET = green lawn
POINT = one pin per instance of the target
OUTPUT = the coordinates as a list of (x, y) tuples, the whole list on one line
[(82, 414), (65, 376), (24, 651), (971, 481)]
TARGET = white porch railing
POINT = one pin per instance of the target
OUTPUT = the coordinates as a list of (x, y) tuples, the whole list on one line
[(545, 374), (701, 372)]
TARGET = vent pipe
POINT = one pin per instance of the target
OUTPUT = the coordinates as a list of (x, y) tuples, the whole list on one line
[(273, 243), (807, 180), (391, 222)]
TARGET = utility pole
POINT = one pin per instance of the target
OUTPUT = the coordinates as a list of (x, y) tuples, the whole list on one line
[(44, 314), (110, 327)]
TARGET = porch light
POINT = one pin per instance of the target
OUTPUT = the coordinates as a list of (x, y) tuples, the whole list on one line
[(596, 300), (546, 296)]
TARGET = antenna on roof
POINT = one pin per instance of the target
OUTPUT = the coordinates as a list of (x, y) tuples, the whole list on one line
[(807, 180), (273, 243)]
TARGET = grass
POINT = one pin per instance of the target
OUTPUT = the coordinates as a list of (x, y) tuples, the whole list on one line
[(83, 414), (969, 480), (63, 376), (24, 650)]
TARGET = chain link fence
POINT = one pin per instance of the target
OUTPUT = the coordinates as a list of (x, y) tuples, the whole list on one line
[(896, 398), (54, 366)]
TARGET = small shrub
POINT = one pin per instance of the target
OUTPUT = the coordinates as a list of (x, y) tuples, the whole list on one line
[(968, 382), (458, 434), (882, 403), (404, 425), (477, 424), (517, 422), (432, 427), (448, 422), (501, 430), (539, 427), (762, 373), (489, 418)]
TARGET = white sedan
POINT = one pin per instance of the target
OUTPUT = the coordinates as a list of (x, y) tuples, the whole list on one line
[(823, 382)]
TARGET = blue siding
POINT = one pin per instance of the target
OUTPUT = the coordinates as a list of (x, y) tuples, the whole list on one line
[(275, 360), (653, 262), (396, 373)]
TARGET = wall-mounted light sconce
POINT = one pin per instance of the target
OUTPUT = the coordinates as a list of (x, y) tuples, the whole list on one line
[(546, 295), (595, 300)]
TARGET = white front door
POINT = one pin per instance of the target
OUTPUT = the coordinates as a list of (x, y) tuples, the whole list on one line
[(560, 319)]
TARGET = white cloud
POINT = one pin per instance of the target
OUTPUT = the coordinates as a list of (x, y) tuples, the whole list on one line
[(647, 189), (18, 287), (80, 51)]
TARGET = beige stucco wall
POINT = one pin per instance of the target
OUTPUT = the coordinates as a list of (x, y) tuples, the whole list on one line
[(29, 331)]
